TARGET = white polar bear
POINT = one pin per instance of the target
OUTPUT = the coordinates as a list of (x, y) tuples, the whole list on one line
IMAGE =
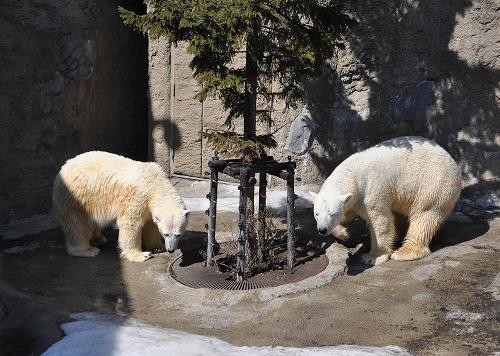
[(97, 189), (406, 176)]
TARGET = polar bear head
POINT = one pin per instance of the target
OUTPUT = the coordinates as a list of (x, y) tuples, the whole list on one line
[(329, 210), (171, 225)]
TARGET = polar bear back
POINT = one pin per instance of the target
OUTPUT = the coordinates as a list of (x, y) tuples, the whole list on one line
[(105, 185), (411, 173)]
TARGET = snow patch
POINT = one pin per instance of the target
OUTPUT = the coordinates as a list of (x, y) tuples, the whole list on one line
[(18, 249), (31, 246), (276, 202), (93, 334), (16, 229)]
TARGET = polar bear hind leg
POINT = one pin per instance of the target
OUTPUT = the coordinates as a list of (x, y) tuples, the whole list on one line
[(78, 233), (382, 236), (97, 239), (423, 227)]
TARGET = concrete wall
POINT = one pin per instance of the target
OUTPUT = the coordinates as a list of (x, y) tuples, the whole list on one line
[(161, 129), (73, 78), (410, 67)]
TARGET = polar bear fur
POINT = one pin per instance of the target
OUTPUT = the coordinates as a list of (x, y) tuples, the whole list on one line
[(98, 189), (411, 177)]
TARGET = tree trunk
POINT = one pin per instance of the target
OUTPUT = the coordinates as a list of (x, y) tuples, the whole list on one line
[(251, 72), (250, 118)]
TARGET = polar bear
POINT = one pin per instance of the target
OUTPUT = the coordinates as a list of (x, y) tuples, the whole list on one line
[(411, 177), (97, 189)]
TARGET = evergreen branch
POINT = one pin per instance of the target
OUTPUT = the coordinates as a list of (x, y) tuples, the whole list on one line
[(233, 145)]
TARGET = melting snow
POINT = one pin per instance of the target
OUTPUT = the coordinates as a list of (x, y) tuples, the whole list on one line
[(19, 249), (276, 202), (93, 334), (16, 229)]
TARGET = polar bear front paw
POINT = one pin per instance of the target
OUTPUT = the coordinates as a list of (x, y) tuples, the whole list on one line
[(83, 252), (340, 232), (158, 250), (374, 260), (137, 256)]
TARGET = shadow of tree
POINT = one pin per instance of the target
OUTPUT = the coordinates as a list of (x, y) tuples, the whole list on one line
[(413, 73), (450, 234)]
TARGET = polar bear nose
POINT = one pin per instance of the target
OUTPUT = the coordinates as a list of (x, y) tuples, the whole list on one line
[(171, 250), (323, 231)]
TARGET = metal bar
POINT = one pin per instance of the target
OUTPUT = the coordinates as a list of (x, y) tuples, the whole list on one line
[(251, 245), (203, 179), (242, 239), (212, 214), (290, 218), (262, 216), (221, 164), (283, 175)]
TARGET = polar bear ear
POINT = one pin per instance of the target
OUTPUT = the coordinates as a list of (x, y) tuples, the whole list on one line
[(313, 196), (186, 213), (345, 198)]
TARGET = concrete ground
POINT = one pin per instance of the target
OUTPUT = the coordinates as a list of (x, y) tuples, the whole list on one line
[(447, 303)]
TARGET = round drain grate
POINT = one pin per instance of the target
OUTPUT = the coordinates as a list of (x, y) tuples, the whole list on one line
[(189, 269)]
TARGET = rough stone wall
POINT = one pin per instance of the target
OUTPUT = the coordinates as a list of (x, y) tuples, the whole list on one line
[(427, 68), (410, 67), (73, 79)]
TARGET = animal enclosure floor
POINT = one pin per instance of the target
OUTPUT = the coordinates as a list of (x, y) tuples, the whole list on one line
[(447, 303)]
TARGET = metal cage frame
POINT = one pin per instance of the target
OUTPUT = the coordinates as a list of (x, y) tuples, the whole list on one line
[(245, 172)]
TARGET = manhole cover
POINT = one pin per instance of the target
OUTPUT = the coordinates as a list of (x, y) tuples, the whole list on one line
[(189, 270)]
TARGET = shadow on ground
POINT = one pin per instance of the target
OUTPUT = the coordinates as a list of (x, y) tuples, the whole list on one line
[(450, 234)]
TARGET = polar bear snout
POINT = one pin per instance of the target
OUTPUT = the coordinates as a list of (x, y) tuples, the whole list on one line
[(171, 250), (171, 242), (325, 223), (168, 244)]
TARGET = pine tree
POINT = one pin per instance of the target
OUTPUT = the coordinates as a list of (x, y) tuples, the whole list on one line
[(284, 41)]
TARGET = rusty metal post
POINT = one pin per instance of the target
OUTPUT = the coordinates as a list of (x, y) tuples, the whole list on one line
[(242, 239), (212, 211), (290, 216), (262, 216)]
